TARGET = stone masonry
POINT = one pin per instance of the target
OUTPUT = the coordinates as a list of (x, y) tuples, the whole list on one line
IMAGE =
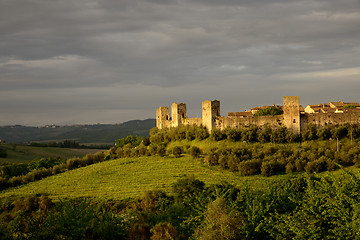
[(294, 117)]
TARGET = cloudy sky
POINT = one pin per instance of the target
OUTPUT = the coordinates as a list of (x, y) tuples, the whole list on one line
[(110, 61)]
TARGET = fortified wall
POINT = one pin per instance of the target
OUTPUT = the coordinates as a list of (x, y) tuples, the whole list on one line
[(294, 117)]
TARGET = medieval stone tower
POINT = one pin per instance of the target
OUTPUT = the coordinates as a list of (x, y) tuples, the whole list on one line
[(162, 117), (178, 113), (291, 115), (210, 111)]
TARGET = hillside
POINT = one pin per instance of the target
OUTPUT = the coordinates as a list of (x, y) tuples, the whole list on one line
[(23, 154), (130, 177), (191, 185), (84, 134)]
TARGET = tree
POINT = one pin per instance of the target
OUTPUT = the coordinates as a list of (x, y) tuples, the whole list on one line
[(133, 140), (163, 231), (187, 186), (220, 222), (271, 110), (349, 106)]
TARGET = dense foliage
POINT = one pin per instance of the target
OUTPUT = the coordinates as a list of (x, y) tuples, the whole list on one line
[(253, 134), (305, 207), (271, 110)]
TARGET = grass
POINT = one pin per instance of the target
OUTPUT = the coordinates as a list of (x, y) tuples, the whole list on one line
[(23, 154), (131, 177)]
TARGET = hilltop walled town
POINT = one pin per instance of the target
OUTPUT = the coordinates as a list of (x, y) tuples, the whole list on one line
[(294, 116)]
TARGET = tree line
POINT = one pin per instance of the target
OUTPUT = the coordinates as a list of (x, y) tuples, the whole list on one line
[(253, 133)]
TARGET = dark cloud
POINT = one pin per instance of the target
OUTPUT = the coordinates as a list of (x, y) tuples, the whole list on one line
[(67, 61)]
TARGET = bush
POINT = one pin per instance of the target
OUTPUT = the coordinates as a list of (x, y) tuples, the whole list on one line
[(290, 167), (15, 181), (213, 159), (143, 151), (316, 166), (153, 149), (248, 168), (59, 168), (222, 161), (161, 151), (269, 168), (163, 231), (72, 163), (195, 152), (187, 186), (300, 165), (216, 135), (177, 151), (233, 162), (132, 140)]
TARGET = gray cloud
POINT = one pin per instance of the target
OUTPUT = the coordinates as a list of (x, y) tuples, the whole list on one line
[(67, 61)]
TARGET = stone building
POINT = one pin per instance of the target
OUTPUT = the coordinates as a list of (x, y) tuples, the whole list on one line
[(294, 116)]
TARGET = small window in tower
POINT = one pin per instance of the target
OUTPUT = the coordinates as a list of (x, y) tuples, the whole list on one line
[(294, 121), (167, 117)]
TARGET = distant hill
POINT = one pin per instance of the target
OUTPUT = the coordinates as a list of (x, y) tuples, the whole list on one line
[(84, 134)]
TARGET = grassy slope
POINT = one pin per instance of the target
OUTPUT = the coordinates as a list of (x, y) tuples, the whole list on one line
[(131, 177), (124, 178), (23, 154)]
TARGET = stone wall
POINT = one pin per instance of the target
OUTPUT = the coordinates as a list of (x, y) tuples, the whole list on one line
[(192, 121), (323, 119), (291, 118), (240, 122)]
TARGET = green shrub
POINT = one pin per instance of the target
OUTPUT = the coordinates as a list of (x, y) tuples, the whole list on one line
[(233, 162), (72, 163), (132, 140), (163, 231), (195, 152), (15, 181), (187, 186), (317, 166), (290, 167), (177, 151), (153, 149), (161, 151), (216, 135), (213, 158), (59, 168), (248, 168), (271, 110)]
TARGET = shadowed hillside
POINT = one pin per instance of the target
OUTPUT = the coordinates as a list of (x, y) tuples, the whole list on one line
[(97, 134)]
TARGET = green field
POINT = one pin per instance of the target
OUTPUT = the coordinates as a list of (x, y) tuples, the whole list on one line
[(23, 154), (131, 177)]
